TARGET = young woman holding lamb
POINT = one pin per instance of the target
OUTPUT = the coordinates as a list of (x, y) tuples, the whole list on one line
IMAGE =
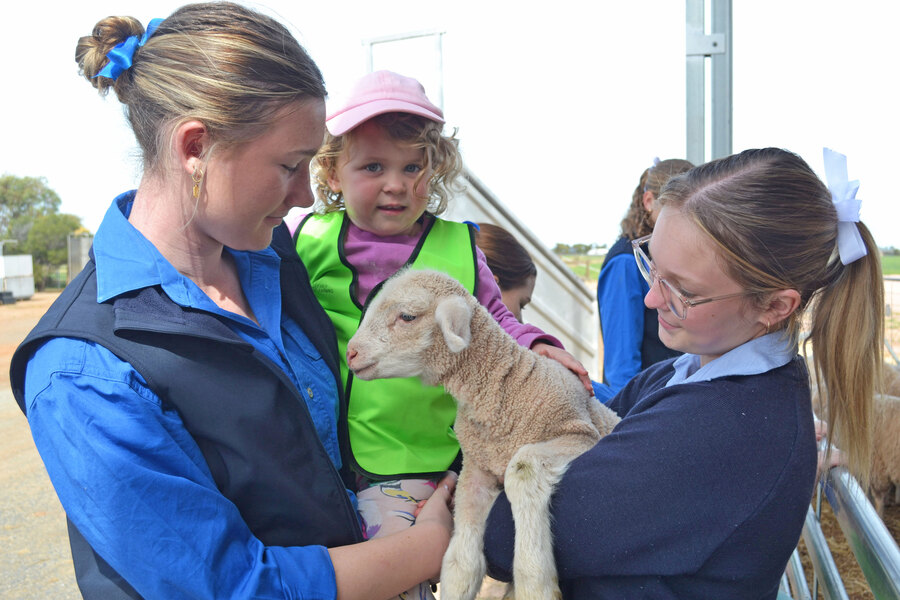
[(702, 489), (183, 389)]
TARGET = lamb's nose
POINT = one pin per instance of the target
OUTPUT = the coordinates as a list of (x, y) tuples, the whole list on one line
[(351, 354)]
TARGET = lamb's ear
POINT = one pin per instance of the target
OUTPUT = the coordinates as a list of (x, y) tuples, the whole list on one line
[(454, 317)]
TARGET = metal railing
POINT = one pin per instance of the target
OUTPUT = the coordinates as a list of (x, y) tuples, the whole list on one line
[(869, 539), (871, 542), (824, 569), (794, 582)]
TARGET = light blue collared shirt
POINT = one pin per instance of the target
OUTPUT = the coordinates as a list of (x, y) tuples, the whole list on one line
[(757, 356)]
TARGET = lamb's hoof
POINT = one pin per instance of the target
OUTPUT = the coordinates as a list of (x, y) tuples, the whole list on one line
[(510, 593), (457, 588), (534, 592)]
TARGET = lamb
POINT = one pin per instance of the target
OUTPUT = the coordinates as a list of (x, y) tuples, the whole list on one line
[(885, 452), (521, 418), (885, 475)]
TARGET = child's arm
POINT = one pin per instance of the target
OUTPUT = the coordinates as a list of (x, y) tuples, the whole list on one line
[(567, 360), (527, 335)]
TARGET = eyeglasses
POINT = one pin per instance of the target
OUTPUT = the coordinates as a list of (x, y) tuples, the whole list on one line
[(676, 302)]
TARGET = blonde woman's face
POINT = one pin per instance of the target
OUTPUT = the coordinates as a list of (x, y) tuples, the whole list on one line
[(249, 190), (685, 257)]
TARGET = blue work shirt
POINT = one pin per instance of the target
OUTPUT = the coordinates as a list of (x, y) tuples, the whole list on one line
[(620, 297), (127, 472)]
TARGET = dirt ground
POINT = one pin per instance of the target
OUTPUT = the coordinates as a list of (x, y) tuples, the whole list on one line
[(35, 562), (34, 554)]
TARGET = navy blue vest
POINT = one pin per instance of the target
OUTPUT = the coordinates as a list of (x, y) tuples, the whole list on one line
[(245, 414), (652, 350)]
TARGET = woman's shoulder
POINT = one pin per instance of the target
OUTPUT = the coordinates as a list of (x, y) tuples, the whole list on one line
[(82, 365), (776, 392)]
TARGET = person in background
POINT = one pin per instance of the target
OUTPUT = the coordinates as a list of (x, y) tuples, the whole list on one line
[(384, 173), (629, 329), (509, 261), (183, 389), (702, 489), (516, 274)]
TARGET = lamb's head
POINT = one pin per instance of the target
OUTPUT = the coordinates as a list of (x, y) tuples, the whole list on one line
[(415, 325)]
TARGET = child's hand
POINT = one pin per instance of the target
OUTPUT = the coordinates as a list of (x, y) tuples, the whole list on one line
[(821, 429), (438, 507), (835, 459), (566, 360)]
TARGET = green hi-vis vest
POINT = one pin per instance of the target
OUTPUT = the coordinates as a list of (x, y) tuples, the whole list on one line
[(396, 427)]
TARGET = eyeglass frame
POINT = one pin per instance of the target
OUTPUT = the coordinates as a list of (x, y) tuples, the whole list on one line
[(651, 276)]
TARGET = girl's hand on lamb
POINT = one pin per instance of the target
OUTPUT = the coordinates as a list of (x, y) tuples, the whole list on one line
[(567, 360)]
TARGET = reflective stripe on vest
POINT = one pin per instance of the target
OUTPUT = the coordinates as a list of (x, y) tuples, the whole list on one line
[(397, 427)]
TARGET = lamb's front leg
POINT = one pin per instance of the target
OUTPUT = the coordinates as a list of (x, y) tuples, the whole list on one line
[(530, 479), (464, 566)]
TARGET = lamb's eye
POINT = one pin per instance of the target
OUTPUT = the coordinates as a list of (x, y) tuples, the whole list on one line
[(407, 317)]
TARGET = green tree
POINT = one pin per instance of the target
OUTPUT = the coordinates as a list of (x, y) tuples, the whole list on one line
[(47, 243), (22, 201)]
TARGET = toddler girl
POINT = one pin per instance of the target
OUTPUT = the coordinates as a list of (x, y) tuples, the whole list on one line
[(384, 173)]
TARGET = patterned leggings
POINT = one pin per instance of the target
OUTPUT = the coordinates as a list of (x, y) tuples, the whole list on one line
[(387, 507)]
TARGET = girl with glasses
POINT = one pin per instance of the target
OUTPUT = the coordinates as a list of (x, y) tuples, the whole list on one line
[(702, 489)]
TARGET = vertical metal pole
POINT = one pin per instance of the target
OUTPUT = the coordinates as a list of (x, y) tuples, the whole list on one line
[(439, 48), (717, 47), (695, 72), (722, 81)]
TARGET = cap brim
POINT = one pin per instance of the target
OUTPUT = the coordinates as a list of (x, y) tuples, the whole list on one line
[(344, 121)]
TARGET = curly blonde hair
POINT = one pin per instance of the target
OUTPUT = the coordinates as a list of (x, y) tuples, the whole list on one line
[(441, 156)]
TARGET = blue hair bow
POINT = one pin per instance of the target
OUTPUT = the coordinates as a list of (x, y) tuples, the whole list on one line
[(843, 195), (121, 55)]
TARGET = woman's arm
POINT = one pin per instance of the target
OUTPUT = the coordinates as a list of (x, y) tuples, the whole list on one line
[(135, 484), (687, 468)]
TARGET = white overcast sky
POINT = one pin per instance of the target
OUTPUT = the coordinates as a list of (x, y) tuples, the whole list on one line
[(559, 105)]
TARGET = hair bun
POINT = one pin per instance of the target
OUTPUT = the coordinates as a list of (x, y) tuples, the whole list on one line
[(91, 50)]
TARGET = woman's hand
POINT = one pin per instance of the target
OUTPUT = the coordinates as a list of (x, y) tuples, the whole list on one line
[(383, 567), (439, 506), (567, 360)]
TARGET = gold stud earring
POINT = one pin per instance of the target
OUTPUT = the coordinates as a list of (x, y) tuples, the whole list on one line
[(767, 326), (197, 178)]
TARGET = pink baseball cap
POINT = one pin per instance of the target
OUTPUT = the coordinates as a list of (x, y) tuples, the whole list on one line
[(378, 93)]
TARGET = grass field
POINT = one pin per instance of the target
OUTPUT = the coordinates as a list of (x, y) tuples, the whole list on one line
[(587, 267), (890, 265)]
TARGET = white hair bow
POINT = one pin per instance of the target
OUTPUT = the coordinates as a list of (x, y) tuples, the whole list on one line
[(843, 193)]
